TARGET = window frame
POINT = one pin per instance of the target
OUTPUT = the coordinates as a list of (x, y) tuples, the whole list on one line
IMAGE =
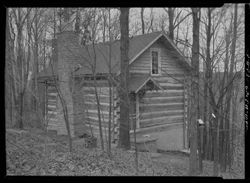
[(158, 50)]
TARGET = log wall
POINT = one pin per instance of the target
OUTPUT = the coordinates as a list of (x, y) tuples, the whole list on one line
[(91, 112), (161, 107), (142, 64)]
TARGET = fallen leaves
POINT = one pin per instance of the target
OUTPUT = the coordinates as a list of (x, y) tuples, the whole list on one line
[(26, 155)]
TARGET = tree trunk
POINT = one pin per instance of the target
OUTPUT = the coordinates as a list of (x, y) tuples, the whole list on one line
[(216, 143), (207, 77), (78, 21), (225, 79), (8, 61), (60, 20), (171, 23), (142, 21), (14, 75), (195, 93), (20, 70), (104, 26), (110, 91), (36, 59), (14, 89), (54, 23), (230, 90), (99, 113), (124, 138), (27, 70)]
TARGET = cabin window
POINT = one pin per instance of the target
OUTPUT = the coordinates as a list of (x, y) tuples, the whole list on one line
[(155, 62)]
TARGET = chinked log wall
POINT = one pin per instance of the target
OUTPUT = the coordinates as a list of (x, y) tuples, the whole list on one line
[(91, 111), (54, 113), (161, 107)]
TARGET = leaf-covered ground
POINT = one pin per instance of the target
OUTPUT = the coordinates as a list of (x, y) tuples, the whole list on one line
[(26, 154)]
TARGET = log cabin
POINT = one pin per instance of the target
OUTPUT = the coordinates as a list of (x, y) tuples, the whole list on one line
[(158, 76)]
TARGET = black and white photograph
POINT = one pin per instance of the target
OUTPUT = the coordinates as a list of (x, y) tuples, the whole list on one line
[(125, 91)]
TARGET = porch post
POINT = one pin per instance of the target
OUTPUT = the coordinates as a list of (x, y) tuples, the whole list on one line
[(137, 111)]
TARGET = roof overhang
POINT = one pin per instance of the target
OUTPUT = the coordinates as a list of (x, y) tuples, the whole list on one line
[(137, 83)]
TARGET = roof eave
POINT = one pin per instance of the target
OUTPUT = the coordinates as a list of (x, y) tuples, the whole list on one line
[(149, 78)]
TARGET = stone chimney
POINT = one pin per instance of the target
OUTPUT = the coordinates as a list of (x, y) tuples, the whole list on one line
[(66, 57)]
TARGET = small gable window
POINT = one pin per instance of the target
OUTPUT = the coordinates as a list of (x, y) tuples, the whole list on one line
[(155, 62)]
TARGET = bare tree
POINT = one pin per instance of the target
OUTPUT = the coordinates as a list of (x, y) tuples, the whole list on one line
[(174, 21), (151, 21), (20, 15), (124, 138), (8, 79), (36, 64), (195, 91), (110, 87), (230, 90), (171, 23), (78, 21), (208, 75), (142, 21), (104, 16)]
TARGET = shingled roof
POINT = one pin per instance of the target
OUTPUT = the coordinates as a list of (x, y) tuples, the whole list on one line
[(137, 45)]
